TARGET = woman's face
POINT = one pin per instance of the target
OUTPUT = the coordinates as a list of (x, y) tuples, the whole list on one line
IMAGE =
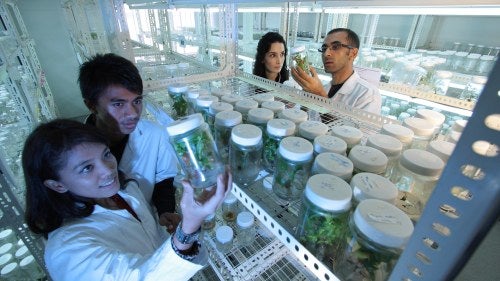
[(90, 171), (274, 59)]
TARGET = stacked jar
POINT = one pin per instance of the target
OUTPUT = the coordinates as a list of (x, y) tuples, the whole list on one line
[(456, 131), (403, 134), (203, 105), (276, 130), (328, 143), (333, 164), (368, 159), (245, 232), (352, 136), (232, 98), (371, 186), (436, 118), (245, 153), (423, 131), (388, 145), (243, 106), (261, 98), (259, 117), (179, 104), (295, 115), (213, 109), (474, 88), (275, 106), (312, 129), (441, 149), (224, 123)]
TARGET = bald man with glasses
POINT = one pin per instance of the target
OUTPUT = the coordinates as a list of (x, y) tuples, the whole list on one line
[(338, 52)]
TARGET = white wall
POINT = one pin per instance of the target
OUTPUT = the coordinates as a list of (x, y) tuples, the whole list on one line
[(45, 22)]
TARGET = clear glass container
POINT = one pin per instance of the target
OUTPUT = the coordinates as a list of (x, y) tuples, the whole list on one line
[(299, 58), (470, 63), (441, 80), (243, 106), (230, 208), (442, 149), (458, 60), (390, 146), (213, 109), (378, 235), (179, 103), (191, 97), (295, 115), (183, 68), (275, 106), (333, 164), (368, 159), (224, 123), (323, 221), (293, 166), (371, 186), (196, 151), (415, 177), (11, 272), (224, 239), (171, 70), (259, 117), (203, 104), (232, 98), (312, 129), (474, 88), (485, 65), (7, 235), (245, 231), (352, 136), (423, 131), (261, 98), (245, 153), (6, 259), (436, 118), (403, 134), (208, 223), (456, 131), (30, 266), (276, 130), (328, 143)]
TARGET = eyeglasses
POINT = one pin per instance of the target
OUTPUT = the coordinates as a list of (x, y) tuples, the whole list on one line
[(334, 47)]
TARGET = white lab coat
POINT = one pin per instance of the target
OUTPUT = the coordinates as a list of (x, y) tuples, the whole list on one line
[(113, 245), (358, 93)]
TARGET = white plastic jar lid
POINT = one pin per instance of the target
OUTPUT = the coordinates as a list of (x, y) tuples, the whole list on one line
[(280, 127), (297, 49), (296, 149), (372, 186), (275, 106), (224, 234), (383, 223), (350, 135), (390, 146), (220, 106), (193, 94), (443, 74), (487, 57), (206, 101), (245, 219), (461, 54), (177, 88), (185, 124), (368, 159), (260, 115), (26, 261), (228, 118), (440, 148), (230, 198), (245, 105), (183, 65), (220, 92), (405, 135), (474, 56), (459, 125), (293, 114), (246, 134), (328, 192), (437, 118), (479, 79), (311, 129), (421, 127), (421, 162), (328, 143), (232, 98), (333, 164), (171, 66), (260, 98)]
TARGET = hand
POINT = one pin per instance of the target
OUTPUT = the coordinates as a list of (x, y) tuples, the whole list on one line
[(170, 220), (309, 83)]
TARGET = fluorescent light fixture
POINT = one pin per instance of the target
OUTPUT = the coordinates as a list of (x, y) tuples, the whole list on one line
[(458, 10), (259, 10)]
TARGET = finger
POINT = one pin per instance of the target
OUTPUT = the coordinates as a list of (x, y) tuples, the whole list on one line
[(187, 192), (313, 71)]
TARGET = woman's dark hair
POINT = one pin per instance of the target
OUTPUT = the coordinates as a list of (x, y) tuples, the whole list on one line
[(102, 71), (263, 47), (44, 155), (352, 37)]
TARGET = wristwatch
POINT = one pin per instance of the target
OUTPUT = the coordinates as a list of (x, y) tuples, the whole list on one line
[(186, 238)]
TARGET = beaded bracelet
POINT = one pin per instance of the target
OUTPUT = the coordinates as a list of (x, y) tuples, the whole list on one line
[(188, 254)]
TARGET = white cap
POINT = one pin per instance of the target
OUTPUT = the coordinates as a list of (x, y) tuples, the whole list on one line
[(421, 162), (260, 98), (297, 49), (183, 65), (459, 125), (333, 164), (220, 92), (245, 219), (224, 234), (328, 192), (442, 149), (219, 106), (206, 101), (328, 143), (245, 105), (259, 115), (421, 127), (443, 74), (171, 66), (280, 127), (350, 135), (368, 159), (185, 124), (230, 198), (275, 106), (390, 146), (178, 88), (232, 98), (479, 79), (246, 134), (293, 114), (404, 134), (311, 129), (372, 186), (193, 94), (436, 118), (296, 149), (487, 57), (383, 223), (228, 118)]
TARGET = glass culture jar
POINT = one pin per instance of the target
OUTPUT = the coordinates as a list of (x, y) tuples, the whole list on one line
[(232, 98), (275, 106), (259, 117), (390, 146), (441, 149), (213, 109), (243, 106), (415, 177), (191, 97), (312, 129), (436, 118), (230, 208), (441, 81), (328, 143), (323, 221), (224, 239), (368, 159), (456, 131), (423, 131), (299, 58), (196, 151), (352, 136), (293, 166), (333, 164), (12, 272), (245, 153), (203, 105), (276, 130), (208, 223), (295, 115), (179, 104), (474, 88), (372, 186), (171, 70), (403, 134), (224, 123), (378, 234), (485, 64), (245, 231), (260, 98)]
